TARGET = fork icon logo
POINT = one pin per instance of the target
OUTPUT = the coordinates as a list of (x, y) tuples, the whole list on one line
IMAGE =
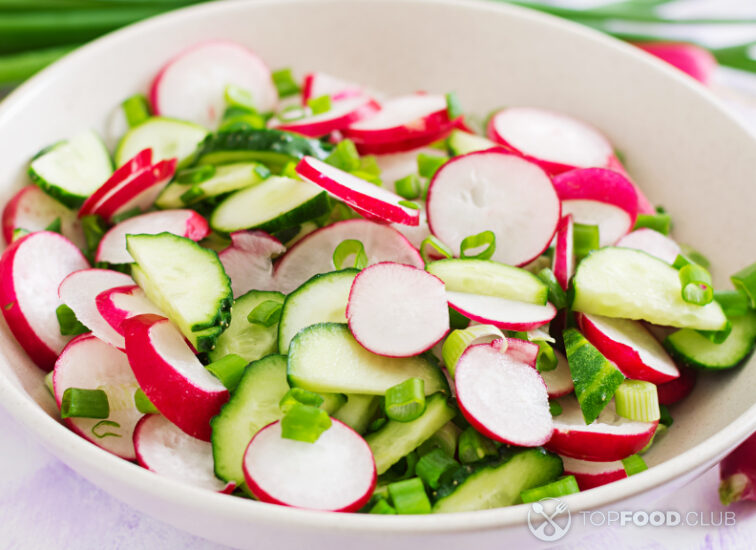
[(549, 519)]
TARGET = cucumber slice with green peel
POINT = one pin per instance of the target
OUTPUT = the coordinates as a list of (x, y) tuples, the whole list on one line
[(226, 179), (322, 299), (275, 204), (71, 170), (251, 341), (167, 137), (491, 279), (461, 143), (326, 358), (396, 440), (358, 411), (697, 350), (630, 284), (186, 281), (332, 402), (497, 482)]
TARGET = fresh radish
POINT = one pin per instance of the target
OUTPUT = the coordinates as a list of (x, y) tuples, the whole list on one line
[(590, 474), (171, 375), (357, 192), (249, 261), (405, 145), (31, 270), (652, 242), (494, 191), (342, 113), (185, 223), (89, 363), (501, 397), (335, 473), (559, 380), (503, 313), (689, 58), (523, 351), (79, 292), (677, 389), (611, 437), (320, 84), (564, 252), (163, 448), (595, 196), (130, 170), (738, 473), (397, 310), (117, 304), (314, 253), (192, 85), (33, 210)]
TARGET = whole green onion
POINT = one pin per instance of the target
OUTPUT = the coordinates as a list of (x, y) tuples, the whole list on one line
[(406, 401), (83, 403), (346, 249), (304, 423), (228, 370)]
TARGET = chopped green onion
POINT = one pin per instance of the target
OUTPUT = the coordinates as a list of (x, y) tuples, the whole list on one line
[(290, 171), (136, 109), (49, 382), (473, 446), (192, 194), (409, 186), (262, 171), (445, 439), (557, 296), (661, 222), (382, 506), (461, 339), (585, 238), (285, 83), (346, 249), (125, 215), (434, 466), (471, 242), (55, 226), (409, 497), (101, 435), (717, 336), (409, 204), (665, 417), (266, 313), (18, 233), (634, 465), (298, 395), (94, 228), (457, 320), (237, 96), (377, 424), (695, 281), (453, 107), (81, 403), (319, 105), (559, 488), (143, 403), (405, 401), (247, 121), (292, 113), (304, 423), (734, 303), (555, 408), (437, 246), (661, 429), (229, 369), (196, 175), (695, 256), (547, 359), (69, 324), (745, 281), (369, 169), (404, 469), (637, 400), (428, 164), (344, 156)]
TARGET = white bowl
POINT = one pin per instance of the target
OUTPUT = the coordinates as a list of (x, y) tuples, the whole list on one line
[(680, 144)]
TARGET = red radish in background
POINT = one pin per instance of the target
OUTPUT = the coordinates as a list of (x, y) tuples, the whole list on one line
[(652, 242), (320, 84), (121, 177), (335, 473), (207, 69), (689, 58), (501, 397), (31, 270), (90, 363), (593, 474), (500, 312), (249, 261), (630, 346), (404, 145), (115, 305), (357, 192), (523, 351), (559, 380), (341, 114), (164, 449), (564, 252), (738, 473), (185, 223), (33, 210), (678, 389), (397, 310), (494, 191), (171, 375)]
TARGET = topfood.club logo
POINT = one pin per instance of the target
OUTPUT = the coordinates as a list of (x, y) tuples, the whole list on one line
[(549, 519)]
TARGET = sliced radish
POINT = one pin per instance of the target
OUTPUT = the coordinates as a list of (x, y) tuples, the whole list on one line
[(635, 351), (33, 210), (396, 166), (689, 58), (357, 192), (652, 242), (610, 437), (121, 177), (593, 474), (415, 234), (89, 363), (503, 313), (31, 270), (192, 85), (501, 397), (559, 380), (314, 253), (320, 84), (523, 351), (171, 375), (397, 310), (342, 113), (336, 473), (164, 449), (678, 389), (564, 252), (595, 196), (494, 191), (185, 223), (249, 261), (117, 304), (79, 291), (405, 145)]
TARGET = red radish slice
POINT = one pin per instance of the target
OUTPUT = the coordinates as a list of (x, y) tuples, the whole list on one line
[(342, 113), (171, 375), (249, 261), (320, 84), (396, 166), (121, 177), (689, 58), (593, 474), (192, 85), (31, 270), (635, 351), (651, 242), (185, 223), (610, 437), (559, 380), (502, 398), (503, 313), (79, 291), (404, 145), (397, 310), (336, 473), (117, 304), (494, 191), (523, 351), (33, 210), (678, 389), (595, 196), (564, 252), (164, 449), (357, 192), (90, 363)]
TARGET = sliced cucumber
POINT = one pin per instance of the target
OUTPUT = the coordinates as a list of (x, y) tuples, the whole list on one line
[(497, 482), (167, 137), (326, 358), (396, 440), (630, 284), (461, 143), (186, 281), (698, 351), (322, 299), (358, 411), (332, 402), (490, 278), (225, 179), (275, 204), (72, 170)]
